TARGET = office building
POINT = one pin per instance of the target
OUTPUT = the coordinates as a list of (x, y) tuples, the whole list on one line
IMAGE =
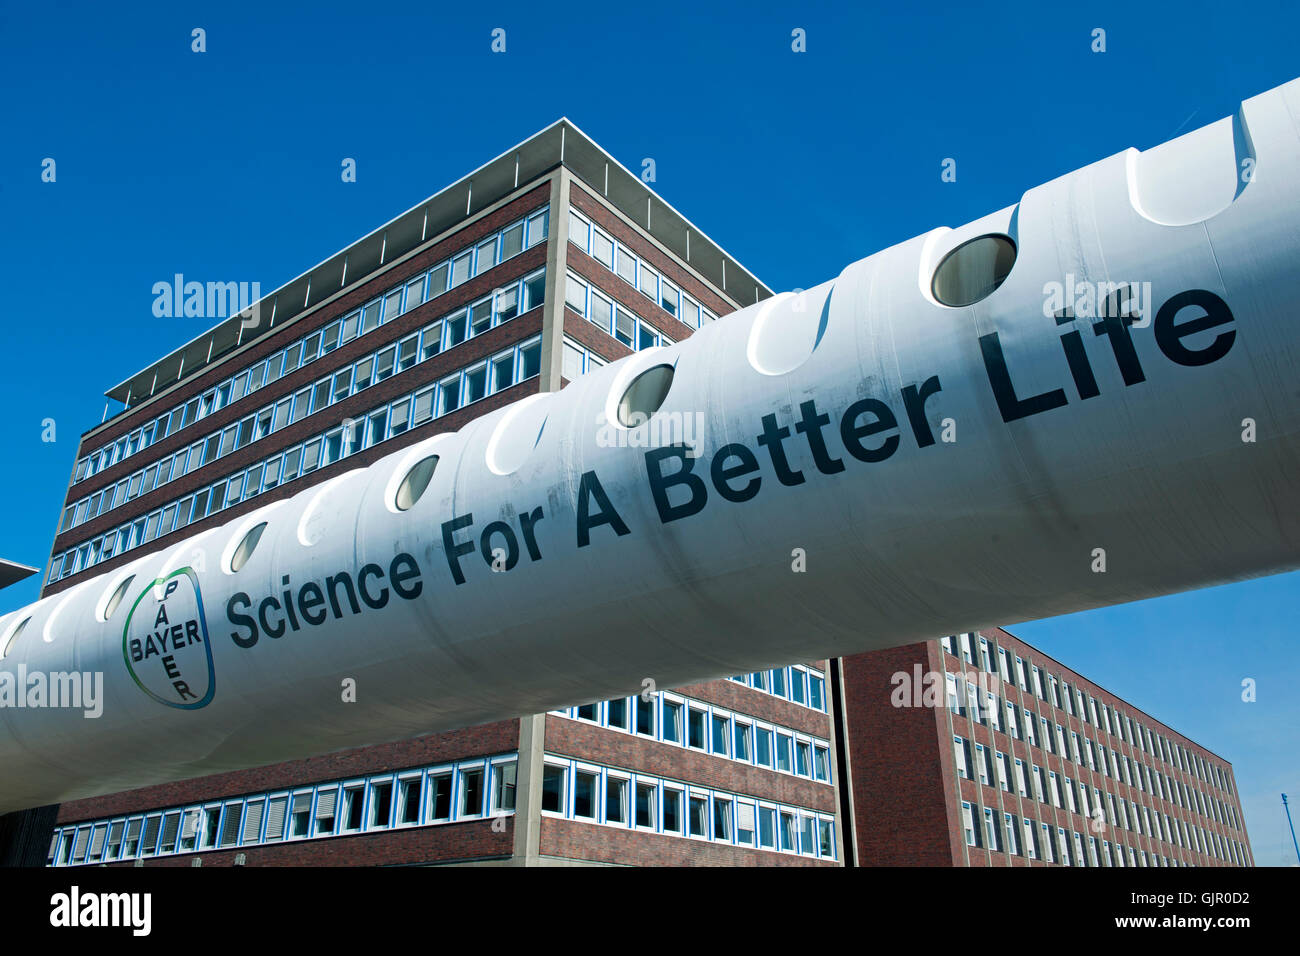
[(980, 750), (549, 261)]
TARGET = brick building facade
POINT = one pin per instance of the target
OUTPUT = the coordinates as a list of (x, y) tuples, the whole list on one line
[(979, 750)]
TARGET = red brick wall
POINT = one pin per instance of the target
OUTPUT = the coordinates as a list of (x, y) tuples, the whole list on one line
[(900, 816)]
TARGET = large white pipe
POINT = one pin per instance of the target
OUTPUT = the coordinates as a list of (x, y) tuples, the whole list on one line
[(934, 468)]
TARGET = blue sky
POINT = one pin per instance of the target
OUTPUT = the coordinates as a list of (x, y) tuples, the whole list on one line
[(225, 165)]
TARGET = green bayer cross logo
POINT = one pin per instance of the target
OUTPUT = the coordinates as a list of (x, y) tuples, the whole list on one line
[(165, 642)]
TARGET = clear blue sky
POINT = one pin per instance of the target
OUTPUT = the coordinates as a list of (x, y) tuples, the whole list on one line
[(225, 165)]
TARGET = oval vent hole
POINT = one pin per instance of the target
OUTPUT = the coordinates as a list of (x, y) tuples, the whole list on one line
[(247, 547), (9, 645), (973, 270), (415, 483), (116, 599), (645, 395)]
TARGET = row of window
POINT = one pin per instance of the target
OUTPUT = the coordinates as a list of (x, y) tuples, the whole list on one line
[(447, 793), (696, 725), (1049, 787), (794, 683), (1034, 840), (508, 367), (577, 790), (443, 277), (964, 699), (450, 330), (640, 276), (610, 317), (1074, 702)]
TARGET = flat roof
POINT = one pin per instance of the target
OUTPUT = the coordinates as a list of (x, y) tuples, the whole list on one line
[(12, 572), (561, 143)]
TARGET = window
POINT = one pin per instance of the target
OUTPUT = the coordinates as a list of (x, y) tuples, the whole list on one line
[(353, 808), (625, 324), (625, 266), (699, 816), (816, 692), (645, 716), (507, 304), (743, 745), (579, 230), (721, 819), (530, 360), (449, 395), (537, 227), (822, 764), (647, 798), (721, 735), (767, 827), (602, 249), (763, 750), (695, 724), (326, 807), (430, 340), (798, 676), (575, 294), (230, 821), (475, 384), (615, 799), (572, 362), (601, 311), (512, 240), (648, 283), (440, 784), (802, 758), (211, 819), (783, 742), (745, 823), (408, 801), (486, 256), (672, 718), (672, 810), (992, 832), (668, 297), (553, 787), (585, 784), (534, 290), (617, 713), (471, 792), (503, 785)]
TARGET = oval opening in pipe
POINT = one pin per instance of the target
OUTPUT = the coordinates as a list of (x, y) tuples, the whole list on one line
[(644, 395), (415, 483), (973, 270), (116, 598), (246, 547), (13, 636)]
